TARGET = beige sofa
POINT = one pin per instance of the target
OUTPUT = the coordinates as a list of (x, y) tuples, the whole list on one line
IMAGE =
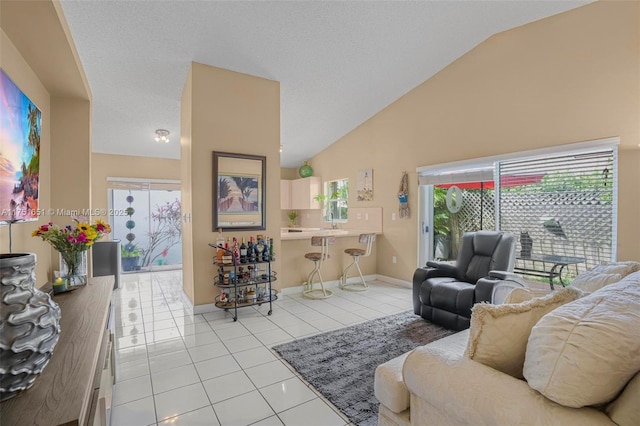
[(579, 366)]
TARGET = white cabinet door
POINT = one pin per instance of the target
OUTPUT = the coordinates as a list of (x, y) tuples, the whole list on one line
[(285, 194), (303, 192)]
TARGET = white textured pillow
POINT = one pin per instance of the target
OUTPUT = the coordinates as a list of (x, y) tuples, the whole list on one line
[(583, 353), (592, 280), (622, 268), (498, 333)]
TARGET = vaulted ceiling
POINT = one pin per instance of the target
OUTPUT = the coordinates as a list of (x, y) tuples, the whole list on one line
[(338, 63)]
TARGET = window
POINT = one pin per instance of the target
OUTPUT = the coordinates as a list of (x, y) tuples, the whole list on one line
[(562, 204), (336, 193)]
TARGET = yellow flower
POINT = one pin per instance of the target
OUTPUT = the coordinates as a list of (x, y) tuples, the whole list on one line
[(90, 233), (35, 233), (84, 227)]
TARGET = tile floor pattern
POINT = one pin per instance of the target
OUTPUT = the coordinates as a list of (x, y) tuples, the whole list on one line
[(176, 367)]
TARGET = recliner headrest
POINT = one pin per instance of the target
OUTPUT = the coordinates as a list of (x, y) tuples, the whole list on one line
[(485, 242)]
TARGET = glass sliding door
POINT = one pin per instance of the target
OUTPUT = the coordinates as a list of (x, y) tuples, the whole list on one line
[(147, 220), (459, 208)]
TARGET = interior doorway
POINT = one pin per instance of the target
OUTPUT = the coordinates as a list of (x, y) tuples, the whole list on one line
[(146, 218)]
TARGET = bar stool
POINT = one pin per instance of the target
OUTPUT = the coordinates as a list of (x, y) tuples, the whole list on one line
[(318, 258), (357, 253)]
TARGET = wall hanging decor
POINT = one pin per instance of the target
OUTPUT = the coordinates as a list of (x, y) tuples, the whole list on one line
[(239, 183), (403, 196), (30, 324), (365, 185)]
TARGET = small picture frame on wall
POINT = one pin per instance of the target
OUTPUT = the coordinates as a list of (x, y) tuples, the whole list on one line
[(365, 185)]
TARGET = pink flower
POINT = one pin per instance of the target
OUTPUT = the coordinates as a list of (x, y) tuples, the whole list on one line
[(100, 227), (71, 239), (82, 238)]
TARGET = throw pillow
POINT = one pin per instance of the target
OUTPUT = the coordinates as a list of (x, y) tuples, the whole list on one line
[(518, 295), (593, 280), (583, 353), (498, 333)]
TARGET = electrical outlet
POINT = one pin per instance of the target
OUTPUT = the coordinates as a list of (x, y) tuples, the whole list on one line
[(359, 216), (393, 216), (366, 216), (394, 259)]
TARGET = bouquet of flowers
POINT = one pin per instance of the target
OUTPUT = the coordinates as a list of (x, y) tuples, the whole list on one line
[(71, 241)]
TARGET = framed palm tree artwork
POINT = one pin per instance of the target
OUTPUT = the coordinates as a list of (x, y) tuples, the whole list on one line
[(238, 191)]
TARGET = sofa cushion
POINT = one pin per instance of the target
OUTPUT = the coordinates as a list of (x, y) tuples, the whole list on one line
[(625, 410), (583, 353), (498, 333), (389, 385), (591, 281)]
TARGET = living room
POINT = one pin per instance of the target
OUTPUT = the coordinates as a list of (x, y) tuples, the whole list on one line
[(569, 78)]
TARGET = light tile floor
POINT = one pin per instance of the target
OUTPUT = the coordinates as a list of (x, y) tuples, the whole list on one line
[(180, 368)]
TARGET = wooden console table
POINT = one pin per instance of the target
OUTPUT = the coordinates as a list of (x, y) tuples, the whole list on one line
[(66, 393)]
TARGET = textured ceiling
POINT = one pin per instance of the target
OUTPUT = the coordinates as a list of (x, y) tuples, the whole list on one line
[(338, 63)]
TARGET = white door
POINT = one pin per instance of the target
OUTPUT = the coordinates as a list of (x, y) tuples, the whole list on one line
[(425, 224)]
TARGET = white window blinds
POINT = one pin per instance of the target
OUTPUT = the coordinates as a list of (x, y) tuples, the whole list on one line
[(563, 204)]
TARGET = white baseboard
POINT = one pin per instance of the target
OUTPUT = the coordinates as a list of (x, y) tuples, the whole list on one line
[(328, 284), (395, 281), (211, 307)]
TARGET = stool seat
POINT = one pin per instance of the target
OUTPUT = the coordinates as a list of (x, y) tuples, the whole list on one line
[(316, 256), (357, 253)]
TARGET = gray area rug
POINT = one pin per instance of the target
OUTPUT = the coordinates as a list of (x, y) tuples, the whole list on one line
[(341, 364)]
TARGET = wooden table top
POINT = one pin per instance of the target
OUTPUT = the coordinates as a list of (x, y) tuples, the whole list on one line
[(62, 392)]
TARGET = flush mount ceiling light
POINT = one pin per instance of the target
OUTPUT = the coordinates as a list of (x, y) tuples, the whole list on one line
[(162, 135)]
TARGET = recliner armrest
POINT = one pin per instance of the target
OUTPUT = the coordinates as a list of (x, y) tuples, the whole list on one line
[(447, 268), (505, 275)]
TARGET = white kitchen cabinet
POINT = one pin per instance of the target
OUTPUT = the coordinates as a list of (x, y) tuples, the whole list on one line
[(303, 192), (285, 194)]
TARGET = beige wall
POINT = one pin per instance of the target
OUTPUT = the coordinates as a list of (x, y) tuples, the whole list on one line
[(568, 78), (23, 76), (186, 184), (126, 166), (37, 52), (70, 157), (229, 112)]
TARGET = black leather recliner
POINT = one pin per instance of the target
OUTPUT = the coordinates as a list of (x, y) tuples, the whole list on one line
[(444, 293)]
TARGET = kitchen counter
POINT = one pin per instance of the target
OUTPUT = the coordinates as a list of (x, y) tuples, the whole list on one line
[(287, 234), (293, 268)]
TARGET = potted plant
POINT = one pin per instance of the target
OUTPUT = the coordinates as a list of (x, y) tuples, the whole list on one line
[(292, 215), (130, 255)]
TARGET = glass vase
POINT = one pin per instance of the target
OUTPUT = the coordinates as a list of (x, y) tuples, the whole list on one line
[(73, 268)]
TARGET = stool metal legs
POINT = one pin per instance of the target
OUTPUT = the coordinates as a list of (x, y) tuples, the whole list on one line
[(318, 293), (345, 276), (356, 253), (318, 259)]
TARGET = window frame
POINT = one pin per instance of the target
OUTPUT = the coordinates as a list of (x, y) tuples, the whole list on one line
[(343, 197)]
